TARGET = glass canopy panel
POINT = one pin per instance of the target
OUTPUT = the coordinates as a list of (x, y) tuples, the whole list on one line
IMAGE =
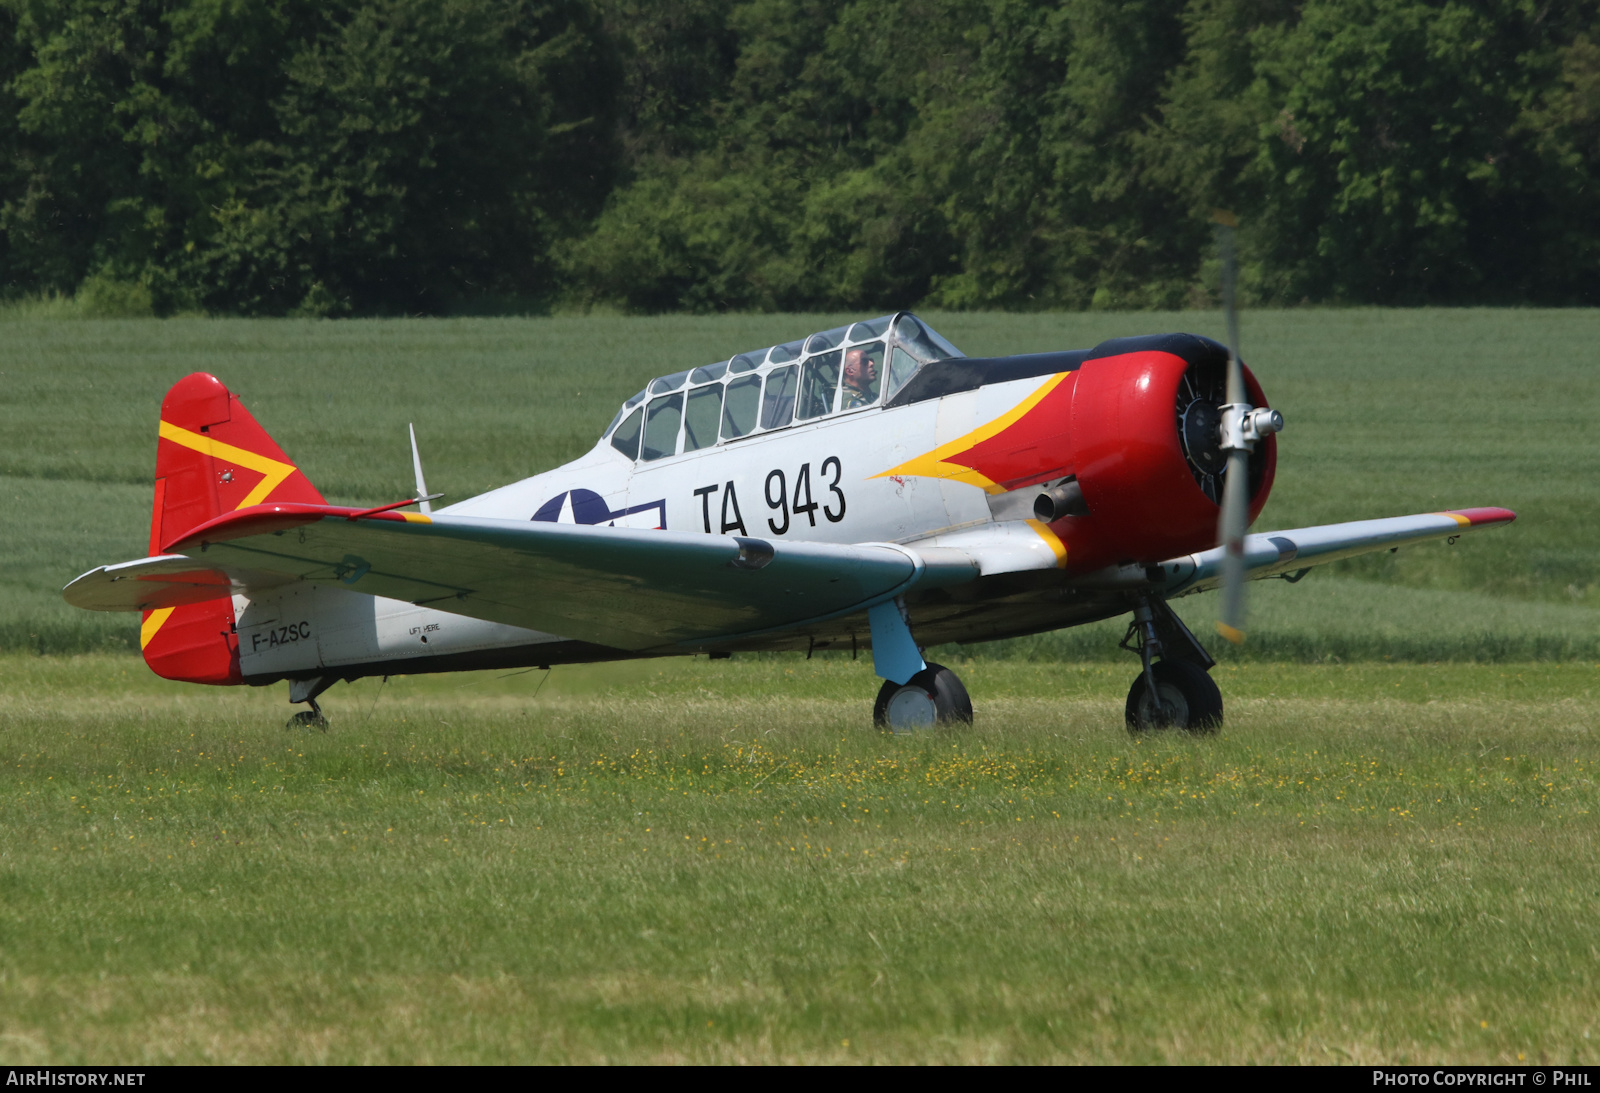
[(708, 373), (828, 339), (626, 438), (901, 368), (872, 328), (923, 342), (777, 404), (661, 427), (744, 362), (702, 417), (788, 351), (669, 383), (740, 408), (818, 382)]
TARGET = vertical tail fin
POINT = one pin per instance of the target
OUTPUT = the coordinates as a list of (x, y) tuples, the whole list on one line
[(212, 457)]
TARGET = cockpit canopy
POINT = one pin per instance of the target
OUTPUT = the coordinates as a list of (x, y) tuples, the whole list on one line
[(832, 372)]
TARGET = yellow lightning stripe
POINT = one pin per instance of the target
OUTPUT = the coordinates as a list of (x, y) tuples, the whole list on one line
[(940, 462), (1457, 517), (148, 628), (417, 517), (274, 471), (1052, 540)]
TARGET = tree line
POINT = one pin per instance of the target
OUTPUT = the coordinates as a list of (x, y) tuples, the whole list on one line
[(350, 157)]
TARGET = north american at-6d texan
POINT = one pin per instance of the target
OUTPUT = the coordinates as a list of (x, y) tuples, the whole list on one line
[(863, 488)]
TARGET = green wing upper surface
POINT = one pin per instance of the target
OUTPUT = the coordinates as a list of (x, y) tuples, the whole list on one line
[(622, 587)]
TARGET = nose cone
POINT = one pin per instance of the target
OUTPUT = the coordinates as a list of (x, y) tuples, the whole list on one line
[(1145, 425)]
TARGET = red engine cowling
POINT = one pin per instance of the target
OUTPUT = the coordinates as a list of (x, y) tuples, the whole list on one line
[(1144, 438)]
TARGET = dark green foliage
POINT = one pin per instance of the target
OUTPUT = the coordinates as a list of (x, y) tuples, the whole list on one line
[(1419, 155), (262, 158), (428, 156), (1020, 154)]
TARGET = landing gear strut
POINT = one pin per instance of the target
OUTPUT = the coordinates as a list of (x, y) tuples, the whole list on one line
[(1173, 691), (307, 690)]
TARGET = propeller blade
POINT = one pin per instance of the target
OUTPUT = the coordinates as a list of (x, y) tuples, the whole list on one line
[(1226, 224), (1231, 530), (1234, 520)]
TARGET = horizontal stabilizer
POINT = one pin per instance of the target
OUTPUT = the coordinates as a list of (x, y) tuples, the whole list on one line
[(171, 580)]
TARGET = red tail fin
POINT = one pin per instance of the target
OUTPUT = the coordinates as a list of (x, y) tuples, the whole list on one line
[(212, 457)]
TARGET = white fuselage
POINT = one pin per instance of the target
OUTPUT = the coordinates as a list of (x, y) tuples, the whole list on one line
[(817, 481)]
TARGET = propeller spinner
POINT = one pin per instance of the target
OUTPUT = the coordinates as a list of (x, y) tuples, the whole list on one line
[(1240, 427)]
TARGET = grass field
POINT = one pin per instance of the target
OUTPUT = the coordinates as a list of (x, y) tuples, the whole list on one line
[(1388, 855), (689, 861)]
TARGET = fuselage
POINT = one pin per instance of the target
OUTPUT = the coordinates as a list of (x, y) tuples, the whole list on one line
[(950, 449)]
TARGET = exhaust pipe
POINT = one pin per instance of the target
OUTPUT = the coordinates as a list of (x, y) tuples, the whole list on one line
[(1063, 500)]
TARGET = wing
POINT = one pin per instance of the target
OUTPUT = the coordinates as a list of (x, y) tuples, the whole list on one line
[(1275, 553), (621, 587)]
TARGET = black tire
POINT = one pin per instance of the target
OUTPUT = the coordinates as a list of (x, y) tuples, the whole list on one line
[(1188, 692), (307, 719), (935, 691)]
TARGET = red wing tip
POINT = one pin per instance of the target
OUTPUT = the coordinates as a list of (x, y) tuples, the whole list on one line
[(1484, 517)]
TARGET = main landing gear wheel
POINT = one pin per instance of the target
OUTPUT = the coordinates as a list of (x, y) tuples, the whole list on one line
[(1188, 700), (933, 698)]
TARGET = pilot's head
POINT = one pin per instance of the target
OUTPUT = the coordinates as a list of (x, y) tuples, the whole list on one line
[(860, 370)]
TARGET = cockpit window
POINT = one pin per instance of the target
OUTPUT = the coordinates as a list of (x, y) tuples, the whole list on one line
[(669, 383), (661, 427), (701, 418), (744, 362), (901, 369), (828, 339), (740, 407), (708, 373), (873, 328), (922, 341), (777, 406), (788, 351), (626, 438), (818, 382)]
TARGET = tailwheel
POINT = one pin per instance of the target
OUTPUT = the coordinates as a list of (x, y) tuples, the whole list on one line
[(933, 698), (307, 690), (308, 719), (1185, 698)]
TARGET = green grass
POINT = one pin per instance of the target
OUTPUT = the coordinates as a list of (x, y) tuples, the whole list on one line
[(1386, 856), (691, 861), (1389, 412)]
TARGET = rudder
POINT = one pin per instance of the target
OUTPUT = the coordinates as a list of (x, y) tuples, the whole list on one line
[(212, 457)]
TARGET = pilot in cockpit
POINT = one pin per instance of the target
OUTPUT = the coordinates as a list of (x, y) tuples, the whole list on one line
[(860, 377)]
